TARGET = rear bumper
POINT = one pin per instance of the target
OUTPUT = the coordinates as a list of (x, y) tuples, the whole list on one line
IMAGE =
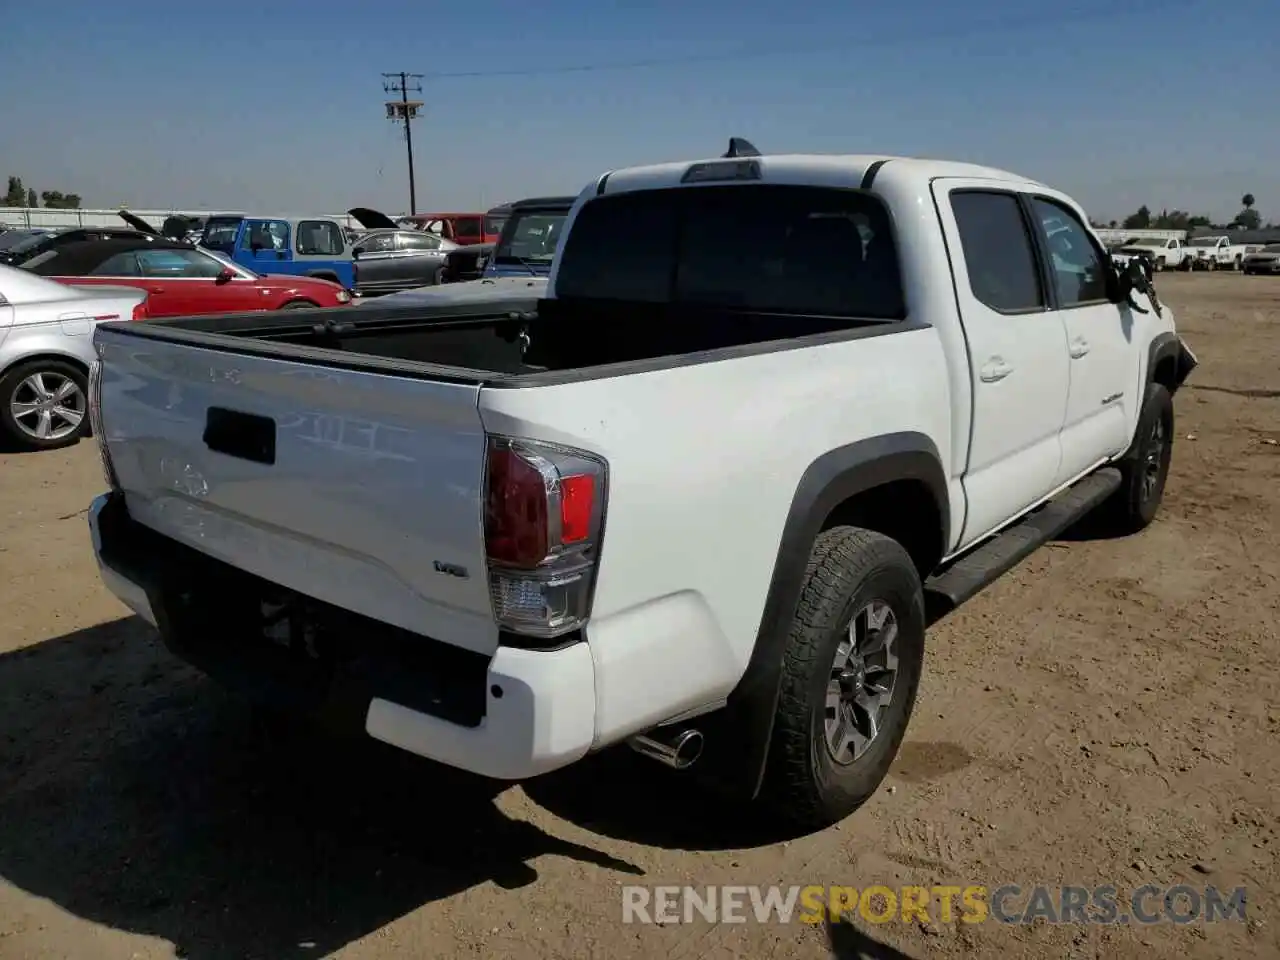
[(510, 717)]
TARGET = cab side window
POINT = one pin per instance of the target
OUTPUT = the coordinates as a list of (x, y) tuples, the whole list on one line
[(320, 238), (266, 235), (998, 253), (418, 241), (1076, 263)]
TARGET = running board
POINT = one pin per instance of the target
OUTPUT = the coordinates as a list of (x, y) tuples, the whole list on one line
[(961, 580)]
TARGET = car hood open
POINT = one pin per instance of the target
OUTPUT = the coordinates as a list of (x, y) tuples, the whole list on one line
[(372, 219), (137, 223)]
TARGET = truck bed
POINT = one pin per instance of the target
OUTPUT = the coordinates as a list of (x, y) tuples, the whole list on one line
[(504, 341)]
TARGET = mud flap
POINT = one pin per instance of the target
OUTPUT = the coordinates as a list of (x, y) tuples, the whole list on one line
[(1185, 363)]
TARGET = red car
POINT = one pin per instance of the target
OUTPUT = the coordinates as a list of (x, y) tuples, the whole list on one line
[(182, 279), (463, 228)]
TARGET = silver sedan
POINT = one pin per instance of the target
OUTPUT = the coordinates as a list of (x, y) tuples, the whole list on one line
[(46, 350)]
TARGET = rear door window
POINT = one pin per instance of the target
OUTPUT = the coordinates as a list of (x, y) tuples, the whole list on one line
[(417, 241), (379, 243), (810, 251), (998, 253)]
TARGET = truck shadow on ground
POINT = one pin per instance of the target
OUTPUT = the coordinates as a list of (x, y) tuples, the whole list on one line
[(847, 942), (138, 795)]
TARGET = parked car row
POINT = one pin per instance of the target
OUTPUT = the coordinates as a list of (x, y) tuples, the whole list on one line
[(1266, 260), (237, 264), (182, 279), (1199, 253)]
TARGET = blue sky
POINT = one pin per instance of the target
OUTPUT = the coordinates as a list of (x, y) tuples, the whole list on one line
[(277, 106)]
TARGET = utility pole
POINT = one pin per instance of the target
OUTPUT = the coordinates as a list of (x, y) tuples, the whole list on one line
[(405, 111)]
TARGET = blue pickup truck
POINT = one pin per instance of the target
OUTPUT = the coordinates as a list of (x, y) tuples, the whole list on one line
[(296, 246)]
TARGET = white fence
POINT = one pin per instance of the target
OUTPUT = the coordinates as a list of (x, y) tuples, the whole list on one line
[(1116, 235), (46, 218)]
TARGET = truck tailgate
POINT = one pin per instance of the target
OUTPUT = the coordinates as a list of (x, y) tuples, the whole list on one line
[(361, 489)]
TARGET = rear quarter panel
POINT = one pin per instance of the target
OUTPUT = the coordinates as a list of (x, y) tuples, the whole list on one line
[(704, 461), (61, 328)]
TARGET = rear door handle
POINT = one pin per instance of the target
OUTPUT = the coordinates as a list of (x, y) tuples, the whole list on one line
[(995, 369), (1079, 347)]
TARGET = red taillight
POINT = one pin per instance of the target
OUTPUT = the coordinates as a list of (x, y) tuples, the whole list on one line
[(577, 501), (140, 311), (544, 511), (515, 510)]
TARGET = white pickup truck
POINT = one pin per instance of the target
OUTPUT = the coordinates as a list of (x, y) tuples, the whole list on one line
[(1163, 254), (694, 502), (1215, 253)]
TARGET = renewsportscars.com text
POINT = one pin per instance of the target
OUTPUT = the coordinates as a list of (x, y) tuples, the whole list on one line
[(975, 903)]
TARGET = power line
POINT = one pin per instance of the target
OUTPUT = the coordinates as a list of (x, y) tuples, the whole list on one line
[(913, 35), (405, 111)]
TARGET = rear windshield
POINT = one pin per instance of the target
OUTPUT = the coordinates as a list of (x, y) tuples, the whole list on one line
[(467, 228), (759, 248), (11, 238), (530, 235), (31, 242)]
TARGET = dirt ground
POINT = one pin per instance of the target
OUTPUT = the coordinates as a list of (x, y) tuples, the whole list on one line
[(1106, 714)]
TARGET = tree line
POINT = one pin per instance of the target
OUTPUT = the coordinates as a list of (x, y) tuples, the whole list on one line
[(1143, 219), (20, 195)]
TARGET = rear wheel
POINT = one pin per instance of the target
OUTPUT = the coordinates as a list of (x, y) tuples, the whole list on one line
[(44, 404), (850, 672), (1159, 264)]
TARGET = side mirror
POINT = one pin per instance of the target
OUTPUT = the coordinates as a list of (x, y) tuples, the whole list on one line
[(225, 275), (355, 254), (1134, 276)]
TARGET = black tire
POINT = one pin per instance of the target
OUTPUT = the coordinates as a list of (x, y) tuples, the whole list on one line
[(299, 305), (437, 277), (1159, 264), (1145, 467), (13, 388), (848, 570)]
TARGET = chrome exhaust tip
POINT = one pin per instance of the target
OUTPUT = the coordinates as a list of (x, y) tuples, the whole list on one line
[(678, 749)]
